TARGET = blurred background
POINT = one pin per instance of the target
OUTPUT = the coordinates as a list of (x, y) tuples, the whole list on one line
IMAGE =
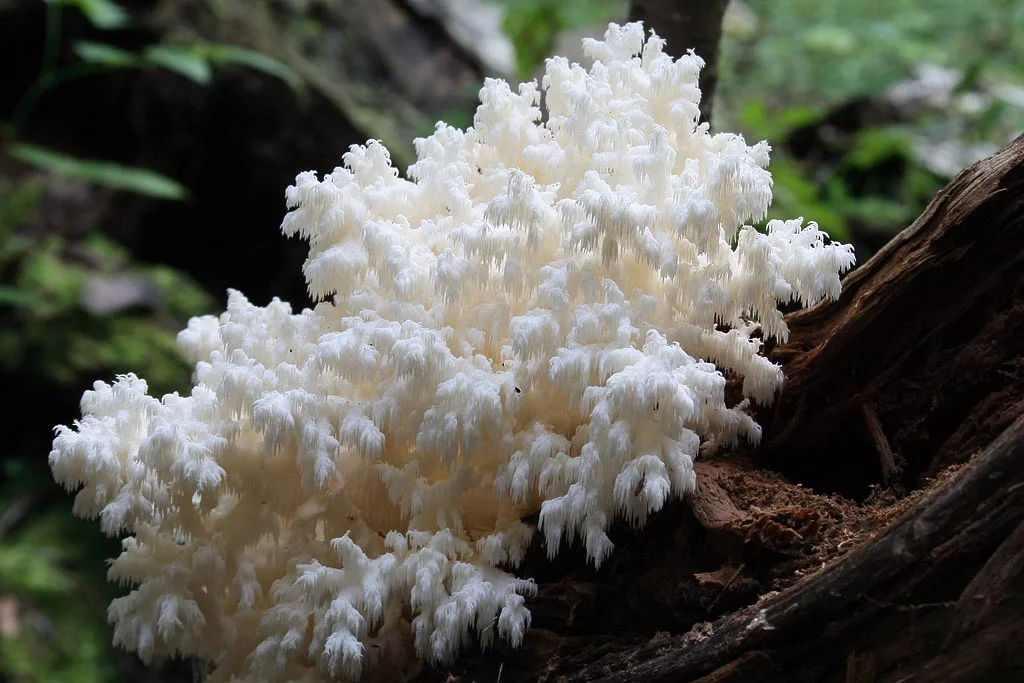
[(145, 147)]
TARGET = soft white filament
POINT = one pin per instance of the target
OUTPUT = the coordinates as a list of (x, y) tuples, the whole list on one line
[(536, 321)]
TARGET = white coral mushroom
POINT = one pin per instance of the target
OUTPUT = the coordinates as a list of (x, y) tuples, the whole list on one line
[(537, 320)]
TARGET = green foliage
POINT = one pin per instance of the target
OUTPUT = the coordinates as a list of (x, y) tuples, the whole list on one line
[(533, 25), (56, 627), (195, 61), (820, 190), (183, 61), (797, 195), (52, 589), (52, 336), (873, 146), (192, 61), (104, 173), (809, 50), (227, 55), (103, 14), (104, 55), (755, 115), (786, 65), (53, 593)]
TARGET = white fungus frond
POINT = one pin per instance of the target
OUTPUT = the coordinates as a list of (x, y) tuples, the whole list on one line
[(536, 320)]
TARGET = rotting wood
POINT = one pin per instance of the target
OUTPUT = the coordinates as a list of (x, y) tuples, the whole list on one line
[(989, 586), (712, 506), (930, 332), (882, 577), (888, 461)]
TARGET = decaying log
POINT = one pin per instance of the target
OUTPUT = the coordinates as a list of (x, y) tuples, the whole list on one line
[(897, 599), (917, 370), (929, 333)]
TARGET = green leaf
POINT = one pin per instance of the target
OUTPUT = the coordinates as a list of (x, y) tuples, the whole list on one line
[(183, 60), (19, 202), (17, 298), (797, 116), (100, 13), (875, 145), (233, 54), (105, 173), (830, 39), (104, 55)]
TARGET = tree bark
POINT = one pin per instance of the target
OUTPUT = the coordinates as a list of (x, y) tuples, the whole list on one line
[(923, 354), (894, 606), (688, 25)]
